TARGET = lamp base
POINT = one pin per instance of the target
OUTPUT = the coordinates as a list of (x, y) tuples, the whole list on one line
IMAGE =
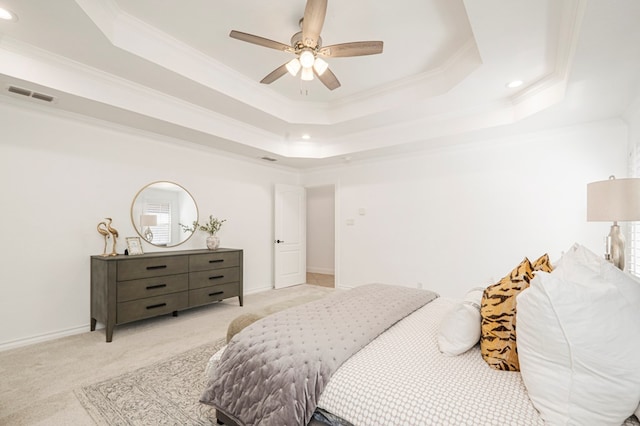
[(148, 235), (616, 246)]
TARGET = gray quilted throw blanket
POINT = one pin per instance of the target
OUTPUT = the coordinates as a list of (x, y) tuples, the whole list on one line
[(273, 371)]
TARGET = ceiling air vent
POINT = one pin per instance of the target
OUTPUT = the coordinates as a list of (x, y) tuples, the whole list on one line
[(30, 94), (268, 159)]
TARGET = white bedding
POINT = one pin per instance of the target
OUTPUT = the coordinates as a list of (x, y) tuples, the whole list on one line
[(402, 378)]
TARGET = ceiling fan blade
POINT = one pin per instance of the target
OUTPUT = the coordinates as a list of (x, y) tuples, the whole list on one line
[(260, 41), (275, 74), (328, 78), (314, 13), (356, 48)]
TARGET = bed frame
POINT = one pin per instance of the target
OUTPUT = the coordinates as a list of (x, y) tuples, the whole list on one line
[(223, 419)]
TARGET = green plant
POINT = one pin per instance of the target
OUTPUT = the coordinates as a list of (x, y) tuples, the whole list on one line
[(211, 227)]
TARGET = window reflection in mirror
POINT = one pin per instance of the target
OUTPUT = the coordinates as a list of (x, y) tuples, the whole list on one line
[(158, 210)]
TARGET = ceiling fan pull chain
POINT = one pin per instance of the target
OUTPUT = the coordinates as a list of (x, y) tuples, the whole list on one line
[(304, 90)]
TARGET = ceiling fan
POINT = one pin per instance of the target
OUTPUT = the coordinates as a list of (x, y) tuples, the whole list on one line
[(307, 46)]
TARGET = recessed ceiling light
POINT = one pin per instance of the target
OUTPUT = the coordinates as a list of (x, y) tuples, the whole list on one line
[(7, 15), (514, 84), (306, 137)]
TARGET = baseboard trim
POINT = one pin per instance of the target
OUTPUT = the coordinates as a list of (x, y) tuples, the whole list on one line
[(314, 270), (258, 290), (18, 343)]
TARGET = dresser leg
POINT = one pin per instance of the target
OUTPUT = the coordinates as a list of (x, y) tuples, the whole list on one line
[(109, 334), (93, 324), (240, 299), (175, 313)]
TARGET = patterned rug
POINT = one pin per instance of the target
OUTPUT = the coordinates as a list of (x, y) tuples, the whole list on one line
[(165, 393)]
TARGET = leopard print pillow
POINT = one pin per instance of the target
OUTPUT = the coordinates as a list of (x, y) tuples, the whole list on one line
[(498, 311), (542, 264)]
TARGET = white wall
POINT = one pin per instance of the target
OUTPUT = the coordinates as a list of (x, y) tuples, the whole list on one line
[(449, 219), (320, 229), (457, 218), (61, 176), (632, 118)]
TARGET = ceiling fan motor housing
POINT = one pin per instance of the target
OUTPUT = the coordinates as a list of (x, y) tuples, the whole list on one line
[(298, 45)]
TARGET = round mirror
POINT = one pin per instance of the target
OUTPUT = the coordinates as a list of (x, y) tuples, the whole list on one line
[(159, 209)]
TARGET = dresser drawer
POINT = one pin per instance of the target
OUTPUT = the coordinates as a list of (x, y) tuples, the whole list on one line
[(149, 287), (202, 296), (133, 269), (213, 277), (214, 260), (151, 307)]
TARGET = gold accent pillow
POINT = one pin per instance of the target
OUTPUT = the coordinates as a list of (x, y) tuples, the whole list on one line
[(542, 264), (498, 311)]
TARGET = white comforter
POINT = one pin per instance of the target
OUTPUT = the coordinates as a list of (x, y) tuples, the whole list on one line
[(401, 378)]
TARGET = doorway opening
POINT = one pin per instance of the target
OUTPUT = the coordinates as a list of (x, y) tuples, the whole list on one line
[(320, 209)]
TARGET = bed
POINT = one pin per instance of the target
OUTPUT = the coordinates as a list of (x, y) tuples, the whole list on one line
[(401, 376)]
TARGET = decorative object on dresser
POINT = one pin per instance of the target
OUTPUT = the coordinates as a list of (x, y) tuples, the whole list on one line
[(107, 231), (126, 288), (102, 230), (212, 227), (134, 246), (114, 234), (614, 200), (158, 209)]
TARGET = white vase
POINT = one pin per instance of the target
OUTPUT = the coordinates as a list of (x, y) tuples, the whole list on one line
[(213, 242)]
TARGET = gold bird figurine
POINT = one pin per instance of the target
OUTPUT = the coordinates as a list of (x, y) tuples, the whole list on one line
[(114, 234), (102, 229)]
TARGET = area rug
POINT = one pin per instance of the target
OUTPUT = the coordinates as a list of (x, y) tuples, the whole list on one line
[(165, 393)]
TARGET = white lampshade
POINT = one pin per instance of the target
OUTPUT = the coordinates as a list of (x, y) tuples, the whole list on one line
[(293, 66), (320, 66), (307, 74), (613, 200), (148, 220), (306, 59)]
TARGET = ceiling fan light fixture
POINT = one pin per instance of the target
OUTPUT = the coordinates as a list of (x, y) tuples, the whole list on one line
[(320, 66), (307, 58), (293, 66), (307, 74)]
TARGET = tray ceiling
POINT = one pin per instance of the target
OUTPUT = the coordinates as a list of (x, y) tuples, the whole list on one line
[(170, 68)]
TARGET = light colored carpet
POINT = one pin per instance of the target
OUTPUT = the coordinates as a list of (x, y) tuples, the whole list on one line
[(38, 381), (163, 393)]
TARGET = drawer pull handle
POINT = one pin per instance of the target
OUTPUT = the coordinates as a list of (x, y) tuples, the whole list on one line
[(216, 261), (149, 268), (216, 277), (216, 293), (151, 287), (159, 305)]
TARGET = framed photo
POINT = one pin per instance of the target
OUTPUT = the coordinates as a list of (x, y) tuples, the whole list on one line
[(134, 245)]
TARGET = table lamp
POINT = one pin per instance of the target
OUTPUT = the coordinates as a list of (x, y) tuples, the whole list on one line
[(614, 200)]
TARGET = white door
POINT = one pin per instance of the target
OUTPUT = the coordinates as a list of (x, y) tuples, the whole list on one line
[(290, 236)]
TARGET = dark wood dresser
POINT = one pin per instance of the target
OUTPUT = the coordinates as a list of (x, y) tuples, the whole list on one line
[(131, 288)]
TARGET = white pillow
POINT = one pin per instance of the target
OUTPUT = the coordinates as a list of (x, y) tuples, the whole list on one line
[(579, 339), (460, 328), (637, 412)]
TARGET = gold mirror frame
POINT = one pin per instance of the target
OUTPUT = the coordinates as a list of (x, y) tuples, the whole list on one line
[(157, 211)]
